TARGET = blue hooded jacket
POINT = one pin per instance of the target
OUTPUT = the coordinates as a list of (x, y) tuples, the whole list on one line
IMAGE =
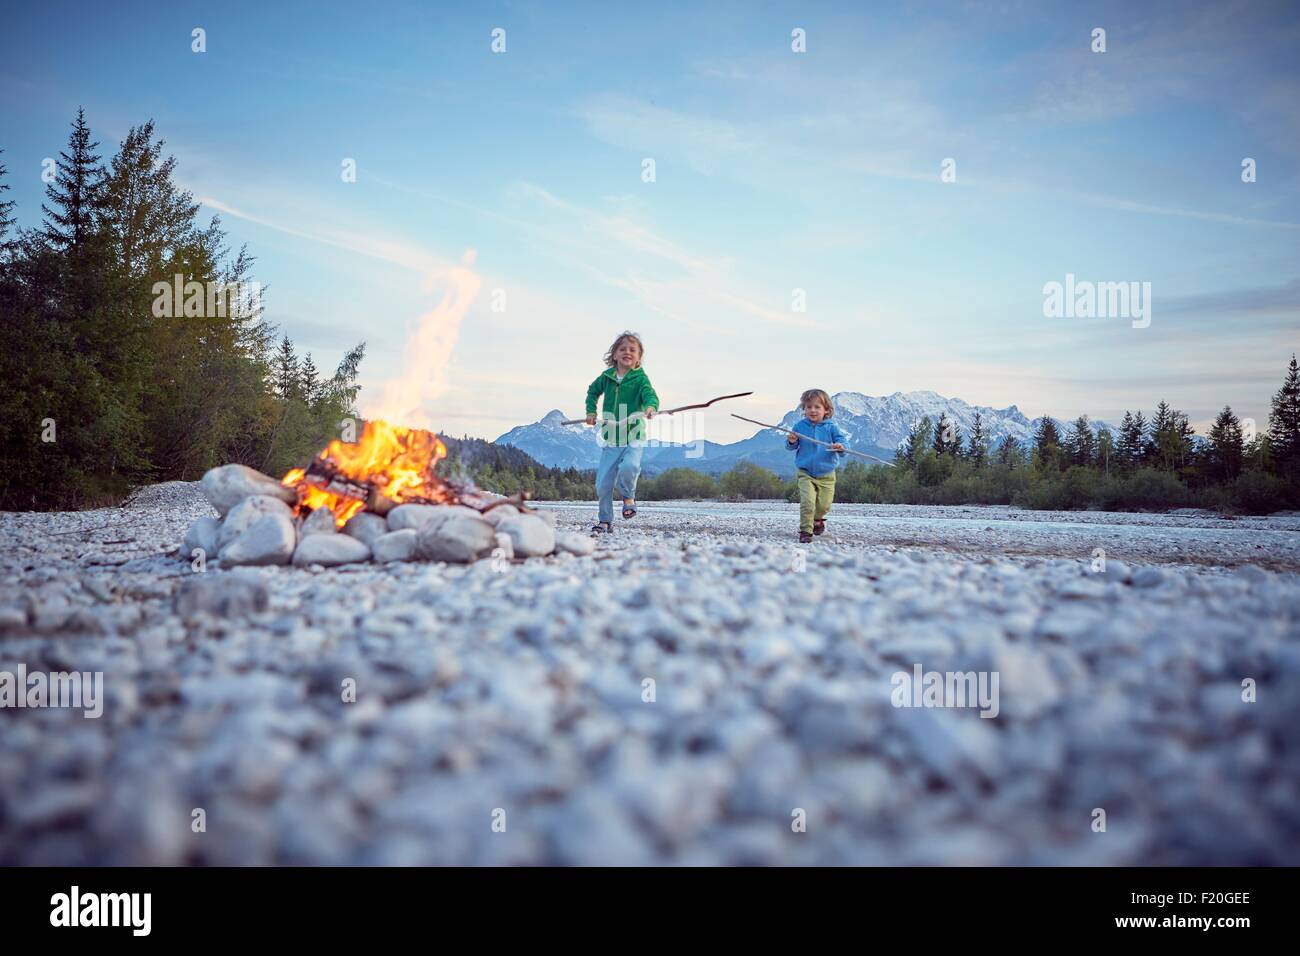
[(817, 460)]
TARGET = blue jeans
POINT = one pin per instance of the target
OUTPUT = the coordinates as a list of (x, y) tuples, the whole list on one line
[(620, 466)]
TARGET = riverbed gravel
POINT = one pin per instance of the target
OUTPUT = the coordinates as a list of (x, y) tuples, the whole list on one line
[(699, 689)]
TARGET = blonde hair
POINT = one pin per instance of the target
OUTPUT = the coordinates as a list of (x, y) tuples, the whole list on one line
[(609, 355), (819, 395)]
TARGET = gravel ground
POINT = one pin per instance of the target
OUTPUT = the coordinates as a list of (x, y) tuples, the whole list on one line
[(503, 714)]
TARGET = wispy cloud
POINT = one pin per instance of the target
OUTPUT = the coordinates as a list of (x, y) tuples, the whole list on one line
[(375, 247), (1250, 301)]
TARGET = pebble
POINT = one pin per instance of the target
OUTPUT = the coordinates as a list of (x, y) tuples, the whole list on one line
[(268, 540), (571, 543), (1150, 577), (395, 546), (203, 536), (366, 527), (320, 521), (251, 509), (673, 693), (416, 516), (236, 594), (531, 536), (456, 538), (329, 550)]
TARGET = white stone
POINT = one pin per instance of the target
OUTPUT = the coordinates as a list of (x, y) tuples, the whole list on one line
[(203, 536), (242, 515), (320, 521), (579, 544), (1116, 570), (416, 516), (223, 595), (396, 546), (228, 485), (1149, 577), (329, 550), (505, 546), (366, 526), (268, 540), (498, 514), (531, 536), (457, 538)]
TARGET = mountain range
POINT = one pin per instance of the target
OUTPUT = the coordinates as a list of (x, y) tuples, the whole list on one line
[(875, 425)]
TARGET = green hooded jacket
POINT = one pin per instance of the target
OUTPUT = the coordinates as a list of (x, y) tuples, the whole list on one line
[(622, 400)]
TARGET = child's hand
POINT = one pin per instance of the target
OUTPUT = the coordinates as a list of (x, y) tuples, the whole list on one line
[(591, 419), (792, 439), (650, 412), (837, 447)]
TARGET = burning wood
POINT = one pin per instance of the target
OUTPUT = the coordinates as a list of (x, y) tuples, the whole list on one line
[(387, 466)]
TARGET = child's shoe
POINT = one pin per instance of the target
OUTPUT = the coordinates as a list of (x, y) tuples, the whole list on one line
[(804, 537), (602, 527), (819, 526)]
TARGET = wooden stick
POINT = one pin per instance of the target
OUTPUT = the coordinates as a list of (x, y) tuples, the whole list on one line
[(815, 441), (666, 411)]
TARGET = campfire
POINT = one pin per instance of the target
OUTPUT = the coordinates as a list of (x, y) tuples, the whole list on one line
[(375, 499), (387, 466)]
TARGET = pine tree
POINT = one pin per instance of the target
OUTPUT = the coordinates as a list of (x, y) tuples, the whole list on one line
[(310, 379), (1142, 446), (1170, 445), (1010, 453), (979, 444), (1080, 444), (1047, 444), (944, 435), (6, 208), (76, 190), (1132, 442), (1284, 422), (146, 213), (1105, 450), (918, 439), (285, 371), (1161, 448), (1227, 448), (1184, 433)]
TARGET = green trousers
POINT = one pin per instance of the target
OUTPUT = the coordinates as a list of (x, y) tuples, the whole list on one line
[(815, 497)]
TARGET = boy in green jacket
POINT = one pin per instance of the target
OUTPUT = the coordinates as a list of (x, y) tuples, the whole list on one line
[(627, 399)]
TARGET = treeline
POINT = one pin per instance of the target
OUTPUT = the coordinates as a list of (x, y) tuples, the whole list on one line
[(506, 470), (134, 345), (1151, 464)]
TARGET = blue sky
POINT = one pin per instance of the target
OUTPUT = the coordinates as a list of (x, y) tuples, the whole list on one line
[(522, 172)]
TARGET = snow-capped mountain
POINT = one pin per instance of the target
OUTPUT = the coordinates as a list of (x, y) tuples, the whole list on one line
[(555, 445), (875, 425), (886, 421)]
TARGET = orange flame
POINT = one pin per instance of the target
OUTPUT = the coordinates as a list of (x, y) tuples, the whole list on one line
[(389, 460)]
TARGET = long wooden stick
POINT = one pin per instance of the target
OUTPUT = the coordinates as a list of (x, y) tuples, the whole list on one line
[(666, 411), (847, 451)]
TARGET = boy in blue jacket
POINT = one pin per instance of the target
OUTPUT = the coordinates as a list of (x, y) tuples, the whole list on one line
[(815, 463)]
